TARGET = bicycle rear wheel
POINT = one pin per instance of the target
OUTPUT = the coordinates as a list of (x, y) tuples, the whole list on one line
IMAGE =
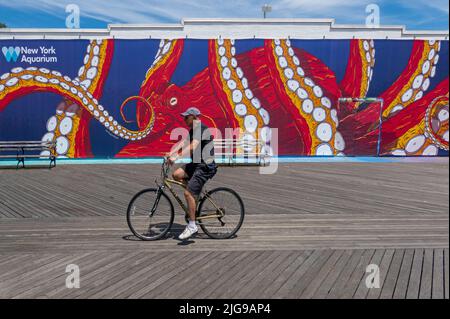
[(223, 202), (150, 214)]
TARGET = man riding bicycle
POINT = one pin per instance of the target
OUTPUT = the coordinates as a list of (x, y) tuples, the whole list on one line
[(200, 147)]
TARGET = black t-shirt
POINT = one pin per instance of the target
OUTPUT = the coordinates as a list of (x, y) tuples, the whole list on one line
[(204, 153)]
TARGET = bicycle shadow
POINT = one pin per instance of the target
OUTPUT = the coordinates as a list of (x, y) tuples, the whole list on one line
[(173, 234)]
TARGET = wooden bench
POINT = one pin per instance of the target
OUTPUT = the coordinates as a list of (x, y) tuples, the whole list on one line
[(239, 152), (23, 149)]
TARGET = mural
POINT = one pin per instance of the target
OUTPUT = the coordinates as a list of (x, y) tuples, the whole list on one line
[(122, 98)]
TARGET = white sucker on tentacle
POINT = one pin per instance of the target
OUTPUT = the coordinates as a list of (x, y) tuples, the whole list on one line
[(310, 100), (420, 81), (368, 47), (420, 140), (251, 114), (92, 64), (165, 46), (88, 77), (74, 90)]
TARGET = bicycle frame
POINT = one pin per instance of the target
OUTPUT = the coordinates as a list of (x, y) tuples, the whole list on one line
[(168, 182)]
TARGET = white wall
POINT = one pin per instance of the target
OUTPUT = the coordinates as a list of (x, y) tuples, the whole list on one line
[(230, 28)]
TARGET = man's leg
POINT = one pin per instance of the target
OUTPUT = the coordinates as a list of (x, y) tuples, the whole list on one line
[(191, 192), (192, 205), (191, 228), (179, 175)]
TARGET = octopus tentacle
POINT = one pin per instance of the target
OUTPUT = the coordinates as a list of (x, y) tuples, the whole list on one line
[(158, 76), (251, 116), (165, 52), (62, 129), (21, 81), (143, 100), (407, 90), (425, 58), (95, 66), (153, 87), (359, 72), (320, 120), (422, 139), (400, 129), (436, 122), (91, 76)]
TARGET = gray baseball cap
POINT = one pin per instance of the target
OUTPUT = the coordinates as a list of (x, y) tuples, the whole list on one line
[(191, 111)]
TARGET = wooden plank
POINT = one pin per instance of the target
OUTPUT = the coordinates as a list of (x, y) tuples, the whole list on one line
[(202, 278), (10, 261), (416, 272), (136, 267), (352, 285), (89, 270), (229, 273), (384, 265), (178, 270), (311, 273), (315, 181), (18, 271), (392, 276), (362, 290), (438, 274), (180, 287), (235, 281), (289, 285), (231, 289), (293, 279), (14, 272), (41, 275), (426, 279), (344, 277), (328, 268), (401, 287), (333, 276), (446, 274), (47, 214), (142, 277), (56, 281), (283, 273), (108, 274), (258, 283)]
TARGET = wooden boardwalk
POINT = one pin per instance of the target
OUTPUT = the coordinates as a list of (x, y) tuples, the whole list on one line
[(310, 232)]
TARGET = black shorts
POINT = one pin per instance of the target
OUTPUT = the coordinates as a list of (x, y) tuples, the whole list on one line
[(198, 175)]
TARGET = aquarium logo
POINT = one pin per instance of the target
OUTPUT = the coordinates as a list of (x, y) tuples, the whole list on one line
[(11, 54), (31, 55)]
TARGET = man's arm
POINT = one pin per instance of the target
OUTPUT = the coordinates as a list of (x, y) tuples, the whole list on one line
[(176, 148), (186, 150)]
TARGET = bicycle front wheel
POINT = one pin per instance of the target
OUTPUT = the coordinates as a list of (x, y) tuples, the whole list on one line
[(221, 213), (150, 214)]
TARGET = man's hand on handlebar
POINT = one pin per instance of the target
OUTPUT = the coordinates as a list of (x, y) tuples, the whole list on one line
[(170, 159)]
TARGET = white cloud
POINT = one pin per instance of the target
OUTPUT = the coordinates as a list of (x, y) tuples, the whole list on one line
[(427, 6)]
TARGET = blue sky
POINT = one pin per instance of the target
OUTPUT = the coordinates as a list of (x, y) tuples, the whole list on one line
[(415, 14)]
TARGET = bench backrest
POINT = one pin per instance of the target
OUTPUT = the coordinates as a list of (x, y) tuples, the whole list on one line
[(27, 145), (229, 150)]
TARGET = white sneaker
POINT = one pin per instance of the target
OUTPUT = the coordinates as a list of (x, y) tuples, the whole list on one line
[(188, 232)]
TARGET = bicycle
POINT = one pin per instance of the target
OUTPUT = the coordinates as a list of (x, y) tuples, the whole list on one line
[(151, 213)]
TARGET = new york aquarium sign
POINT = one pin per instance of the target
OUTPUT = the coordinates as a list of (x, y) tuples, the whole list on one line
[(30, 55)]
